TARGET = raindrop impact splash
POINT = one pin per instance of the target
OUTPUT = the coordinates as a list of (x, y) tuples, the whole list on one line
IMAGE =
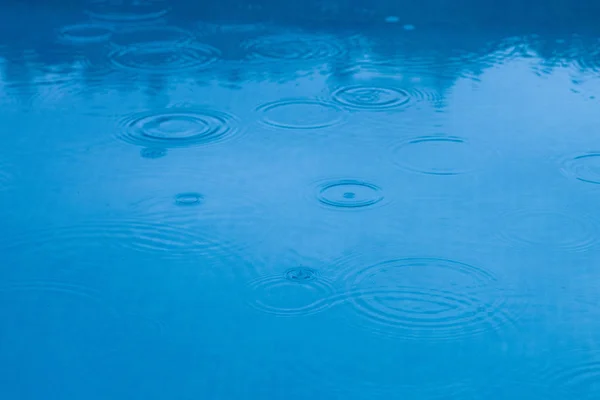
[(349, 193), (301, 274), (299, 291), (178, 128), (188, 199)]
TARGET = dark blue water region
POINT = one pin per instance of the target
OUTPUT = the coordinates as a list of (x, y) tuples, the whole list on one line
[(306, 200)]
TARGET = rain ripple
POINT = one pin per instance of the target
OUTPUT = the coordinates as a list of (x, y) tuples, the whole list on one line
[(550, 229), (437, 155), (164, 57), (298, 291), (580, 381), (169, 241), (178, 127), (349, 194), (371, 98), (293, 47), (85, 33), (135, 12), (426, 298), (301, 113), (583, 167)]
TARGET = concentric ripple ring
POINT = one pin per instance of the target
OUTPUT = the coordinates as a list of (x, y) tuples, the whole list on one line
[(349, 193), (178, 127)]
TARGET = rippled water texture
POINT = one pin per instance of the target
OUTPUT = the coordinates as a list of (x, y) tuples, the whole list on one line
[(299, 200)]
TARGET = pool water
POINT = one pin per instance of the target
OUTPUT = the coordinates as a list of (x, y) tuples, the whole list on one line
[(308, 200)]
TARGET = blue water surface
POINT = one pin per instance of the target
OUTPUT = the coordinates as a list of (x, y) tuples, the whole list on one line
[(320, 199)]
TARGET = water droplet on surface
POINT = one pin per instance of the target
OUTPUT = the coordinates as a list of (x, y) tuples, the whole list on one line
[(349, 193), (291, 294), (370, 98), (436, 155), (301, 274), (174, 127), (301, 114), (85, 33), (188, 199), (160, 58), (392, 19)]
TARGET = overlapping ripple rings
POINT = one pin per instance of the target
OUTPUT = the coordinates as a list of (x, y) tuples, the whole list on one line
[(298, 291), (166, 240), (178, 127), (164, 57), (293, 47), (426, 298)]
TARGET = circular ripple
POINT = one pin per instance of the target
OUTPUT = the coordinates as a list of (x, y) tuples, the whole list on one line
[(435, 155), (581, 381), (171, 241), (550, 230), (153, 152), (349, 193), (188, 199), (301, 114), (421, 272), (282, 296), (426, 313), (301, 274), (151, 35), (85, 33), (293, 47), (128, 12), (583, 167), (178, 127), (371, 98), (164, 57)]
